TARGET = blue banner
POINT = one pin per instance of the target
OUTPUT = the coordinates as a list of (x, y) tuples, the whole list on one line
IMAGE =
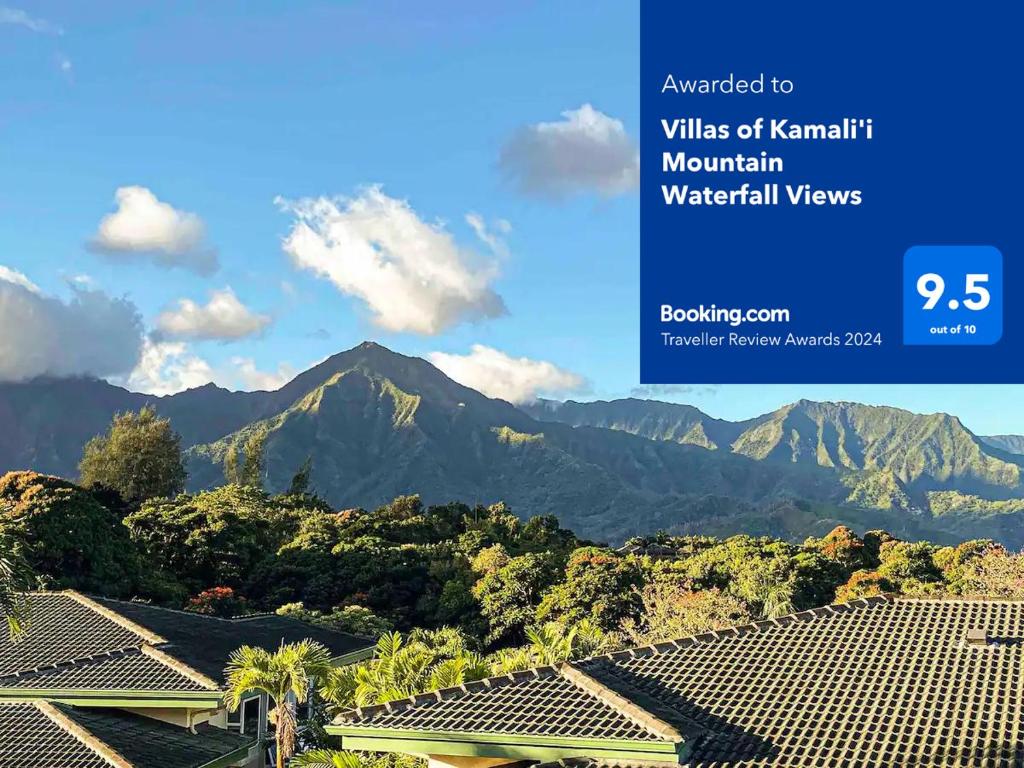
[(830, 193)]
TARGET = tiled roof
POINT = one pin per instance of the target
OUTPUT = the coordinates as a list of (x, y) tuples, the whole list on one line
[(876, 682), (146, 743), (45, 735), (30, 739), (63, 628), (206, 642), (131, 669), (82, 643), (541, 702)]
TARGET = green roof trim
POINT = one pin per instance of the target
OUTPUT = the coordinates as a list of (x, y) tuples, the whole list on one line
[(353, 657), (231, 758), (462, 743), (116, 698)]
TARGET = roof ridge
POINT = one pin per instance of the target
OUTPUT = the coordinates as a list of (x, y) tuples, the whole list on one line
[(451, 692), (507, 678), (108, 613), (628, 709), (210, 617), (180, 667), (956, 599), (712, 635), (92, 658), (65, 723)]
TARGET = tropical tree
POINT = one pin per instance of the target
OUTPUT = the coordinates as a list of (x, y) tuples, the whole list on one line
[(509, 590), (251, 469), (139, 457), (291, 669), (212, 538), (599, 585), (68, 537), (673, 609), (328, 758), (552, 643), (16, 579), (404, 666), (301, 479)]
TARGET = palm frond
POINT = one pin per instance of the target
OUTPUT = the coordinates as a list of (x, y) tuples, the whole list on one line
[(327, 758)]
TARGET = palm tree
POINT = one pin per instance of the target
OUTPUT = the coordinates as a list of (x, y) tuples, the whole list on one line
[(290, 669), (551, 643), (401, 667), (327, 758), (778, 601), (16, 579)]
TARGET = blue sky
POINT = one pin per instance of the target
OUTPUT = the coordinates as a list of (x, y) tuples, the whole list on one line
[(219, 109)]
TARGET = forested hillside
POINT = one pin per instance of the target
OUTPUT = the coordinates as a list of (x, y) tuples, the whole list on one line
[(375, 425), (237, 549)]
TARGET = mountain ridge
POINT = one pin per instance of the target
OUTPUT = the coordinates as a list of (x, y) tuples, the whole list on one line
[(378, 424)]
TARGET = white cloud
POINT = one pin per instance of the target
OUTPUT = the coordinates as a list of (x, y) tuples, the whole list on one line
[(144, 225), (90, 334), (657, 391), (81, 281), (490, 236), (223, 317), (587, 151), (412, 274), (20, 18), (250, 377), (18, 278), (167, 367), (516, 379)]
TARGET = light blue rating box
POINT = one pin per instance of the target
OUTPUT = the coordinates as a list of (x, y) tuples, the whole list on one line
[(952, 294)]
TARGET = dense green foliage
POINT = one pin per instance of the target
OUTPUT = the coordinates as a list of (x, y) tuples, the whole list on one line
[(16, 578), (480, 570), (214, 538), (139, 457), (69, 538)]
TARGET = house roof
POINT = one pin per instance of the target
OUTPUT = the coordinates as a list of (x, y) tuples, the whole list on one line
[(58, 736), (206, 642), (878, 681), (147, 743), (128, 669), (64, 628), (540, 702), (81, 644)]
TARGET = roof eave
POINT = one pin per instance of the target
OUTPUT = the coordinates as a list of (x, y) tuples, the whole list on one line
[(513, 746), (353, 657), (231, 758), (117, 697)]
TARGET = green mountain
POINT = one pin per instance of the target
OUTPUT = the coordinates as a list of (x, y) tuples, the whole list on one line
[(917, 453), (1008, 443), (377, 424), (647, 418), (380, 424)]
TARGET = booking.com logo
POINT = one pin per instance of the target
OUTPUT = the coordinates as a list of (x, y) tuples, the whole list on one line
[(716, 314)]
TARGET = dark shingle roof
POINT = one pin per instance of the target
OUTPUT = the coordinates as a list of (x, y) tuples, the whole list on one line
[(62, 629), (79, 642), (147, 743), (205, 642), (120, 670), (59, 736), (876, 682), (30, 739), (538, 703)]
